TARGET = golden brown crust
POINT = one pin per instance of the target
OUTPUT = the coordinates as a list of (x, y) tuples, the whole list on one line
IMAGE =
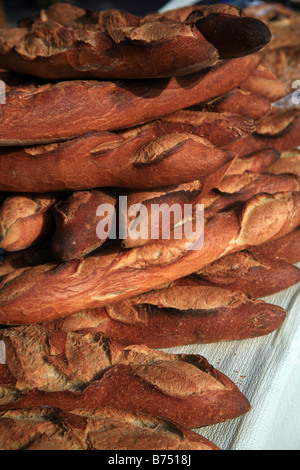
[(76, 220), (116, 45), (286, 249), (156, 383), (105, 429), (183, 313), (108, 103), (108, 45), (106, 278), (158, 154), (289, 162), (279, 130), (241, 102), (52, 360), (250, 272), (265, 83), (25, 220), (258, 162)]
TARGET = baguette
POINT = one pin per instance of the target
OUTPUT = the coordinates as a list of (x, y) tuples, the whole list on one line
[(76, 222), (163, 153), (25, 220), (92, 106), (51, 291), (286, 248), (251, 273), (265, 83), (231, 35), (241, 102), (112, 46), (289, 162), (227, 193), (258, 162), (106, 429), (279, 130), (284, 62), (183, 313), (156, 383)]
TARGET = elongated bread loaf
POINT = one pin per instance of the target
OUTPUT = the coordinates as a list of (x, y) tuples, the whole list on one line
[(113, 46), (76, 220), (222, 25), (25, 220), (252, 273), (69, 43), (166, 152), (92, 106), (156, 383), (106, 429), (183, 313), (289, 162), (241, 102), (265, 83), (54, 290), (258, 162), (235, 189), (286, 248), (279, 130), (227, 193)]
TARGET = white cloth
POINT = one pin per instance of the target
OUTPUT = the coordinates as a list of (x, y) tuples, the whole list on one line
[(267, 371)]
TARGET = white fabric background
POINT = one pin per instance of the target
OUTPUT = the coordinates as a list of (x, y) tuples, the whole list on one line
[(266, 370)]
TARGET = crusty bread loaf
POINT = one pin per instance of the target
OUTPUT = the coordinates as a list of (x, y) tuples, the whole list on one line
[(289, 162), (279, 130), (258, 162), (183, 313), (52, 291), (251, 273), (76, 220), (25, 219), (114, 45), (265, 83), (282, 53), (169, 151), (241, 102), (106, 429), (228, 192), (92, 106), (231, 35), (62, 43), (286, 248), (156, 383)]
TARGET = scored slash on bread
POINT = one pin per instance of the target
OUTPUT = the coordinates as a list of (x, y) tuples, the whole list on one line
[(105, 429), (250, 272), (65, 42), (83, 106), (168, 151), (136, 378), (185, 312), (105, 278)]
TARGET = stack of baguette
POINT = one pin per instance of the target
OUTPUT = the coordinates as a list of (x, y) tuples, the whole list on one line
[(169, 108)]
